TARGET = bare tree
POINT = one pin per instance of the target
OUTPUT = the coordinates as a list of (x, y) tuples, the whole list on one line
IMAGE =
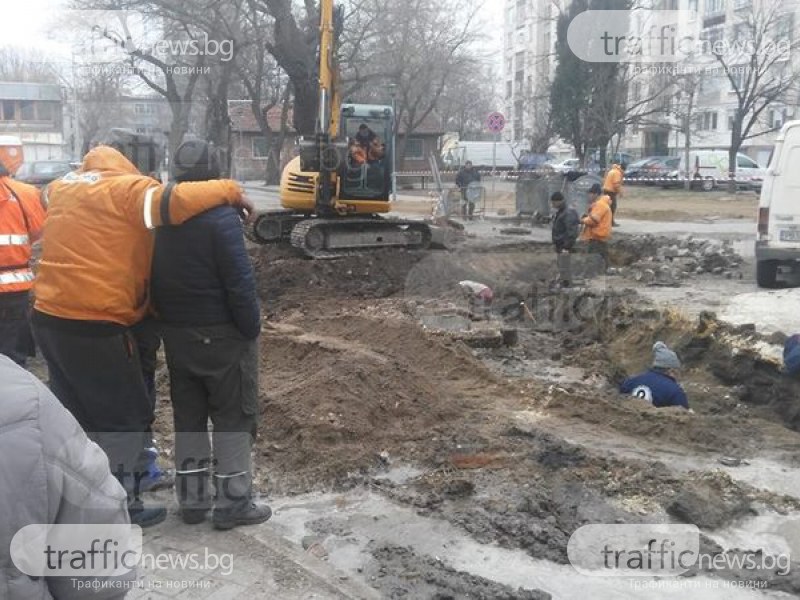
[(97, 93), (755, 57), (27, 66)]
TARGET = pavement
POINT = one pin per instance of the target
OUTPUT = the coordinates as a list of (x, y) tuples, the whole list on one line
[(181, 561)]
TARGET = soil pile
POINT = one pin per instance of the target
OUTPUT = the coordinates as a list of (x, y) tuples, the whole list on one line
[(349, 393)]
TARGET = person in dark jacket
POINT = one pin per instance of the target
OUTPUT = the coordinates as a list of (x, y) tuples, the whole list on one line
[(791, 356), (566, 226), (658, 386), (467, 175), (205, 296)]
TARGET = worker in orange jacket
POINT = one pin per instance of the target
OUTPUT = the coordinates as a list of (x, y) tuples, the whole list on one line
[(597, 224), (612, 187), (93, 287), (21, 218)]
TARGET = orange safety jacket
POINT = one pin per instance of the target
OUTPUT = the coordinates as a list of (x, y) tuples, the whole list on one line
[(597, 224), (21, 219), (613, 180), (97, 244)]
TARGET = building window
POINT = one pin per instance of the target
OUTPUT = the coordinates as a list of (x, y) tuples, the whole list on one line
[(519, 61), (26, 110), (144, 109), (730, 122), (737, 77), (784, 28), (415, 148), (9, 110), (509, 89), (740, 4), (260, 147), (777, 118), (715, 6), (45, 111), (712, 36), (707, 121)]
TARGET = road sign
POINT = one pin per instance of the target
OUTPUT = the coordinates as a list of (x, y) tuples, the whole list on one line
[(496, 122)]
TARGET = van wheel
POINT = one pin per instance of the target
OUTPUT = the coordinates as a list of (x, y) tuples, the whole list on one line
[(707, 185), (767, 274)]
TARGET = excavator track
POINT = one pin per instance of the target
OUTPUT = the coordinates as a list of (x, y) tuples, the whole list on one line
[(275, 226), (333, 238)]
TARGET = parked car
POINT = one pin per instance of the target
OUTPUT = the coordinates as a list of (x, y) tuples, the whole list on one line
[(530, 161), (565, 166), (709, 169), (778, 239), (40, 173), (652, 170), (620, 158)]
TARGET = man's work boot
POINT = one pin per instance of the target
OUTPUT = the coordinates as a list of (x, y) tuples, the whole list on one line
[(194, 496), (146, 517), (251, 513), (194, 516)]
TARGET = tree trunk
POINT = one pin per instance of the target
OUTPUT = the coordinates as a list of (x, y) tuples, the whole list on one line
[(734, 150)]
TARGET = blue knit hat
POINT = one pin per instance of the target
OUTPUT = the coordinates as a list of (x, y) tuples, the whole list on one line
[(791, 355)]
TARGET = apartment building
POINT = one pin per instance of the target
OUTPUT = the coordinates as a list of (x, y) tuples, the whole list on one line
[(529, 39), (34, 113), (528, 57)]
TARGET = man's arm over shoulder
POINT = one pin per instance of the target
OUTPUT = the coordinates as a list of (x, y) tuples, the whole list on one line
[(236, 272), (149, 205)]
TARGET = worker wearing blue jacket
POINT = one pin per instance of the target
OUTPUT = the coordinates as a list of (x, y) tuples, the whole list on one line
[(204, 293), (658, 385)]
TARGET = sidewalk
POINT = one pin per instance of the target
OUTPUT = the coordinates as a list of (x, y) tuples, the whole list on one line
[(248, 563)]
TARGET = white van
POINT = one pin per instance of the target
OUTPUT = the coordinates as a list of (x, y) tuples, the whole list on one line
[(711, 167), (483, 155), (778, 240)]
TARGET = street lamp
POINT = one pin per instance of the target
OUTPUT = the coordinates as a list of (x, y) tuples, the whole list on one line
[(393, 94)]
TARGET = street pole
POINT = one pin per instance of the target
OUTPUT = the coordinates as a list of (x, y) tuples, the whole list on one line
[(494, 159), (393, 92)]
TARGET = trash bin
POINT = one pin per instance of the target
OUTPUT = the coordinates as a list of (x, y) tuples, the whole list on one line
[(533, 193), (576, 192)]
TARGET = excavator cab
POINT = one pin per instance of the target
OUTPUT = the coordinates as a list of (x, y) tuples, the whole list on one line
[(366, 172)]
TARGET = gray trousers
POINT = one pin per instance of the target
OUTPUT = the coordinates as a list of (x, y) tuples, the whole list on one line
[(213, 375)]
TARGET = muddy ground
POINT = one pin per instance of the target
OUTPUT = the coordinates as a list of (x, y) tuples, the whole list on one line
[(516, 446)]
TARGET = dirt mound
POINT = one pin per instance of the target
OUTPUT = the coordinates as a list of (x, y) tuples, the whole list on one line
[(286, 281), (340, 392)]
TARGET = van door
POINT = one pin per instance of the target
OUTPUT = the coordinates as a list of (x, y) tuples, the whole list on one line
[(784, 195)]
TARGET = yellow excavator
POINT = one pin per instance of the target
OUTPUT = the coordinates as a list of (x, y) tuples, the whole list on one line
[(332, 203)]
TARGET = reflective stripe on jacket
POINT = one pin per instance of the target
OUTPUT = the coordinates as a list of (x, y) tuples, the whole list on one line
[(97, 244), (597, 225), (21, 220)]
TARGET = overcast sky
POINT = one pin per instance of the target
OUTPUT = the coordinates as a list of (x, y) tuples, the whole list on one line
[(31, 23)]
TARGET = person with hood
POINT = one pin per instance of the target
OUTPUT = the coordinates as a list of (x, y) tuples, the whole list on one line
[(791, 356), (93, 287), (658, 385), (21, 220), (467, 175), (56, 477), (612, 187), (597, 224), (564, 233), (204, 293)]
